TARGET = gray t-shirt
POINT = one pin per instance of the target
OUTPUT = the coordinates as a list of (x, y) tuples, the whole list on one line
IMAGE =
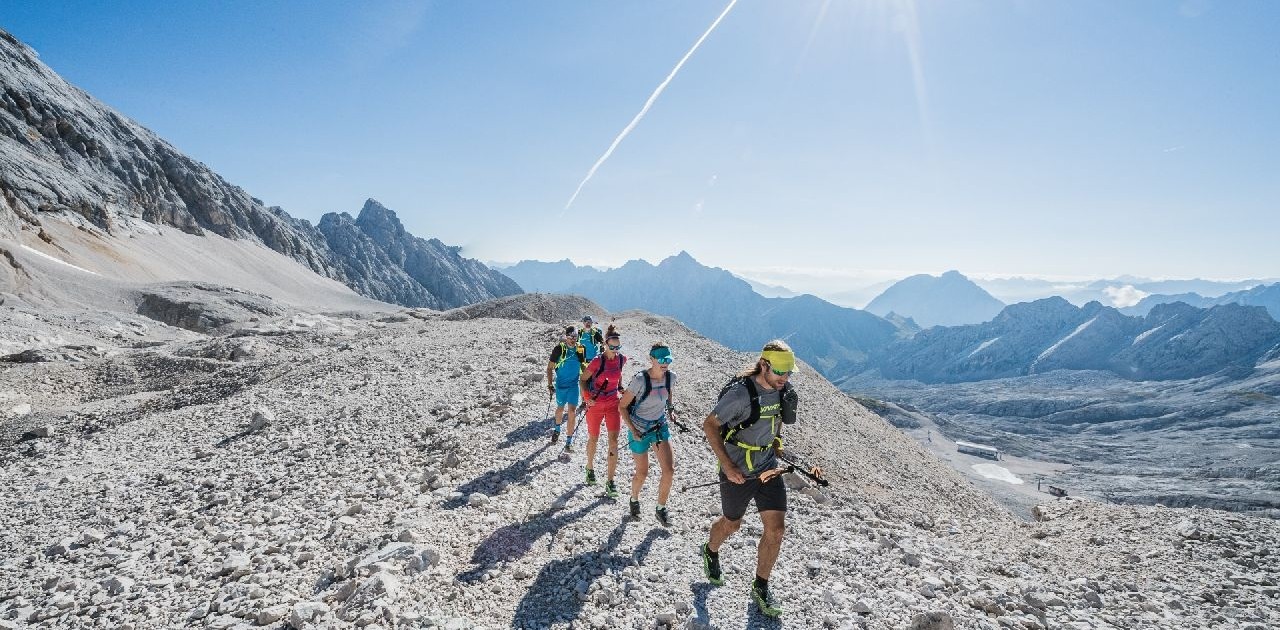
[(734, 409), (652, 409)]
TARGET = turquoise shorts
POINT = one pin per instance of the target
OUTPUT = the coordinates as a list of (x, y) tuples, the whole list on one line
[(567, 395), (651, 438)]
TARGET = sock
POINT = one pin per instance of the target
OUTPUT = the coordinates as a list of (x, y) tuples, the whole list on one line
[(760, 583), (662, 506), (713, 554), (568, 440)]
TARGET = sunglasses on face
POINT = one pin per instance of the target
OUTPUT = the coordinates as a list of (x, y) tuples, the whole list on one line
[(613, 347), (777, 373)]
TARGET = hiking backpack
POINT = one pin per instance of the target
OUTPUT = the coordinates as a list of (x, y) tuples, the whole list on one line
[(591, 384), (648, 387), (789, 399), (564, 356)]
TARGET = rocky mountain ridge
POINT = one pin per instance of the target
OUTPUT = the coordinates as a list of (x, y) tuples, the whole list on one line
[(64, 156), (1264, 295), (724, 307), (1175, 341)]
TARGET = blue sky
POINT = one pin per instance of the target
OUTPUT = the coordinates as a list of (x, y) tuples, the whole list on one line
[(851, 140)]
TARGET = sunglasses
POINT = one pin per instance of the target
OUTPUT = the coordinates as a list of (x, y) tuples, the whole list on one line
[(613, 347), (777, 373)]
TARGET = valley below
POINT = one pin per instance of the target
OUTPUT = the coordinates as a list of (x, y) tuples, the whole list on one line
[(1209, 442)]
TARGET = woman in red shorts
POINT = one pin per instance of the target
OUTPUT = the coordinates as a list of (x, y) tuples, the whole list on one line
[(600, 383)]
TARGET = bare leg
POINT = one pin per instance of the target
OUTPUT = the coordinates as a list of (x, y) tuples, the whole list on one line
[(666, 459), (770, 542), (591, 449), (721, 530), (642, 471), (613, 453), (572, 411)]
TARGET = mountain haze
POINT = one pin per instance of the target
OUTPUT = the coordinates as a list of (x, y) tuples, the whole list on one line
[(947, 300), (724, 307)]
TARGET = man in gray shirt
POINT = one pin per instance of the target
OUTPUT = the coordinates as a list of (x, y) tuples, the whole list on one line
[(744, 430)]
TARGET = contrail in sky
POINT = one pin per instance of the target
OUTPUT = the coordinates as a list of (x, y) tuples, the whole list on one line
[(647, 104)]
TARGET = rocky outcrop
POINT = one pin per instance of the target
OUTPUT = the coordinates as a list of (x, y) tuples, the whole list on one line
[(65, 156), (439, 268), (201, 307)]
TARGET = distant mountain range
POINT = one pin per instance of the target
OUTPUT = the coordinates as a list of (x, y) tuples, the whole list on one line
[(1266, 296), (536, 276), (947, 300), (66, 157), (1174, 341), (724, 307), (1114, 291)]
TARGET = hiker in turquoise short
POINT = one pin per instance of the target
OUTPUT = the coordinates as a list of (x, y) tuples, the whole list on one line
[(590, 339), (644, 410), (563, 371)]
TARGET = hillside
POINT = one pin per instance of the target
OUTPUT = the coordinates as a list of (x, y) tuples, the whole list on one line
[(324, 471)]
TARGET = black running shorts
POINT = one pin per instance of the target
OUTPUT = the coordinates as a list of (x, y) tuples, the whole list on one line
[(734, 497)]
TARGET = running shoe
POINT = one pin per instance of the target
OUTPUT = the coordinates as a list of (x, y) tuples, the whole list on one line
[(661, 513), (711, 566), (764, 601)]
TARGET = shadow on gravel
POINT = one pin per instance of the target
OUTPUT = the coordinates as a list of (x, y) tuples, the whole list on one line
[(759, 621), (527, 432), (512, 542), (546, 603), (520, 471), (700, 593)]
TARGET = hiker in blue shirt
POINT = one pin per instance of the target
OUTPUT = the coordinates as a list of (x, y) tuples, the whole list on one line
[(563, 370), (590, 339)]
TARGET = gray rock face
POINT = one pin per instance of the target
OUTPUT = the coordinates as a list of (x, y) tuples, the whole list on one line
[(201, 307), (65, 156)]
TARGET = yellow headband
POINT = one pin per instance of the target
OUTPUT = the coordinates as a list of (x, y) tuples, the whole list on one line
[(781, 360)]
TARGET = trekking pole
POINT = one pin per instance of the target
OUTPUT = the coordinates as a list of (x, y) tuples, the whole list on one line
[(794, 464), (701, 485), (671, 413)]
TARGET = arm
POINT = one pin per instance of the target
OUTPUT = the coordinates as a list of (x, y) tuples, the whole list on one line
[(711, 427), (551, 378), (623, 403), (582, 386)]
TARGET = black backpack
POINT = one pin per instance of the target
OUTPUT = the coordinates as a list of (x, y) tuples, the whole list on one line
[(648, 387), (790, 400)]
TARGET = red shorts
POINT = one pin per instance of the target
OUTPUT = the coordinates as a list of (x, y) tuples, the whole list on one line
[(606, 410)]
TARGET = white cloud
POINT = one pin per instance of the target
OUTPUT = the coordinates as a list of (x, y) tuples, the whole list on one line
[(1126, 295)]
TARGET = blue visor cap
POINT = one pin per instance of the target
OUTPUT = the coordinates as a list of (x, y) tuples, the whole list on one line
[(662, 355)]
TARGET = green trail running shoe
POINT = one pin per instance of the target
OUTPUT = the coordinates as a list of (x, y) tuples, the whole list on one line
[(765, 602), (591, 477), (661, 513), (635, 509), (711, 566), (610, 490)]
